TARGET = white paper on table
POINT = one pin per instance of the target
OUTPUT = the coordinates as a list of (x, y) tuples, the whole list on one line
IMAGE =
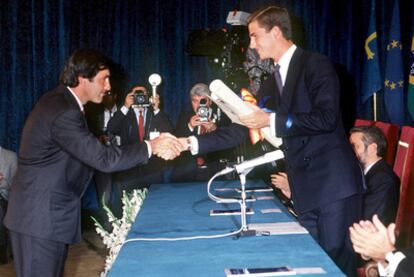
[(309, 270), (233, 107), (279, 228)]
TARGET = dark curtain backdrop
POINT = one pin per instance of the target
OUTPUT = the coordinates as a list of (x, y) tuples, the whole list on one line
[(149, 36)]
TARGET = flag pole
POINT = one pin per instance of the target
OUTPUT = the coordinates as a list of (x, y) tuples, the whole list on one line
[(374, 105)]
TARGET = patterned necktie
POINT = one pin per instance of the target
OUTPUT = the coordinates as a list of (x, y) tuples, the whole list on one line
[(278, 79), (141, 126)]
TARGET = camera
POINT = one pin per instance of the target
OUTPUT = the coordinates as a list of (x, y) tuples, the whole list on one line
[(141, 99), (203, 111)]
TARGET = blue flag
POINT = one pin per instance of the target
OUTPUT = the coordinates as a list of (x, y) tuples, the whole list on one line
[(371, 76), (394, 76), (410, 90)]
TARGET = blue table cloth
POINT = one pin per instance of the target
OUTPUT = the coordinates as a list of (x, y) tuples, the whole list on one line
[(182, 210)]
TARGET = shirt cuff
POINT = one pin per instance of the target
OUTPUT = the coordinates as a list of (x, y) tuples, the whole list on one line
[(189, 127), (273, 124), (124, 110), (193, 141), (393, 260), (149, 148)]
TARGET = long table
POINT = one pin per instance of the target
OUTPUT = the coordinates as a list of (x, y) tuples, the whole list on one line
[(182, 210)]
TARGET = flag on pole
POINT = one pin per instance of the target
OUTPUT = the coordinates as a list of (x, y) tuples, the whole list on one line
[(411, 80), (371, 75), (394, 76)]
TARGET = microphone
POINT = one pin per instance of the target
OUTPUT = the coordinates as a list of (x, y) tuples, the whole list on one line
[(154, 79), (247, 166)]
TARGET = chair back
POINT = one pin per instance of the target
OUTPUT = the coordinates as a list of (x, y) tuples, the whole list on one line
[(403, 167), (363, 122), (391, 134)]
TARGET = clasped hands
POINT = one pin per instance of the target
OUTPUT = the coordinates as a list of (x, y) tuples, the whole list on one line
[(372, 239)]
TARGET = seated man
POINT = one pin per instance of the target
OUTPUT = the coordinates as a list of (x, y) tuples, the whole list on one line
[(138, 119), (382, 184), (8, 168), (201, 119), (375, 241)]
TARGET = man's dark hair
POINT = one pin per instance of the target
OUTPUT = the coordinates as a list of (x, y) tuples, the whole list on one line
[(372, 134), (84, 63), (272, 16)]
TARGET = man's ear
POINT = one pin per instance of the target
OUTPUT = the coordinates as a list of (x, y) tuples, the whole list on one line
[(373, 147), (276, 32)]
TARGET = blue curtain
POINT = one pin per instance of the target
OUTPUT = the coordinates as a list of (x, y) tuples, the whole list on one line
[(148, 36)]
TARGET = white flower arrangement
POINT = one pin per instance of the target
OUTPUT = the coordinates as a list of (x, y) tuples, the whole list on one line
[(131, 204)]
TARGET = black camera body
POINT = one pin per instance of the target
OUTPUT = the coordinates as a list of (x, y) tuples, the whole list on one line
[(203, 111), (141, 99)]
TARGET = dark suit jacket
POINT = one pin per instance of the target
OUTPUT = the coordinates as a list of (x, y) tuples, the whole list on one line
[(383, 191), (321, 165), (126, 126), (57, 158), (406, 266), (381, 195)]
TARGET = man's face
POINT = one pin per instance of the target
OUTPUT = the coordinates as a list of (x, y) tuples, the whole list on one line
[(359, 148), (96, 88), (195, 101), (261, 40)]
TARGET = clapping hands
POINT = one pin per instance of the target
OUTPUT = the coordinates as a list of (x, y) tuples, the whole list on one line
[(166, 146), (372, 239)]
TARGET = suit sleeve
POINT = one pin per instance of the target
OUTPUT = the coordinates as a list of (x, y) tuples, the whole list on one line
[(181, 129), (116, 122), (315, 103), (70, 132), (406, 266), (222, 138), (163, 123)]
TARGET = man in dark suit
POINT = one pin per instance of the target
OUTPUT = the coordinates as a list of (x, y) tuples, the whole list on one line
[(324, 174), (382, 184), (134, 122), (57, 158), (187, 167), (374, 241)]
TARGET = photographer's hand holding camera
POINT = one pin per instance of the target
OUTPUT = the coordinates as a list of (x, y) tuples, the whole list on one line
[(202, 116)]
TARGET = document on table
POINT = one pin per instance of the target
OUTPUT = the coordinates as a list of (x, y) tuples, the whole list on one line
[(279, 228)]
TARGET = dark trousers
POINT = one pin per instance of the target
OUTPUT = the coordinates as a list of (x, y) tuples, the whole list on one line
[(3, 232), (329, 226), (34, 257)]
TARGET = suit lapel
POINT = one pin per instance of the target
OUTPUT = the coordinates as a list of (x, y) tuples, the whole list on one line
[(294, 71)]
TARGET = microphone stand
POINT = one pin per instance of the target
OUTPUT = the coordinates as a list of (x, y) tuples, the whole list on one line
[(245, 232)]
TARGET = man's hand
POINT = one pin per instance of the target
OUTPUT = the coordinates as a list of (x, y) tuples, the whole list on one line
[(166, 146), (194, 121), (256, 119), (373, 239), (129, 100), (210, 126), (280, 181)]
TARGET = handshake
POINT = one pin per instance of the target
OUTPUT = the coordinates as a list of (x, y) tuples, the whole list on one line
[(167, 146)]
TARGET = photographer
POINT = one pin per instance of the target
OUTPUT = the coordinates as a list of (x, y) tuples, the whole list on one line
[(139, 118), (201, 119)]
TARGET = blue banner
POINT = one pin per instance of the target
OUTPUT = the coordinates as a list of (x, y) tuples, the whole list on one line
[(394, 76), (371, 82)]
